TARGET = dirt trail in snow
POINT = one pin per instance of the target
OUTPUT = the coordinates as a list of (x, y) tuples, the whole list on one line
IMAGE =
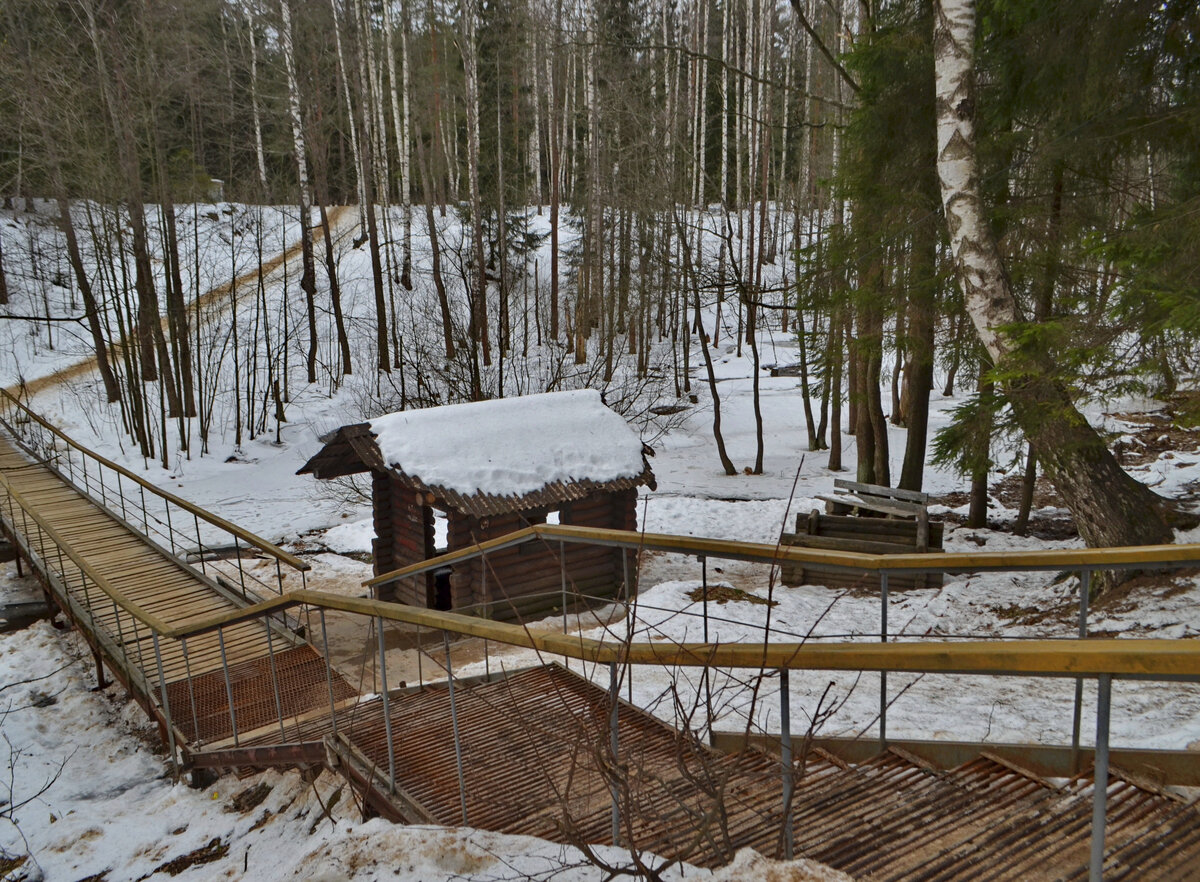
[(81, 368)]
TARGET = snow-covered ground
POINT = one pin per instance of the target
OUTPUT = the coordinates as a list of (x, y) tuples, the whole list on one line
[(114, 807), (86, 790)]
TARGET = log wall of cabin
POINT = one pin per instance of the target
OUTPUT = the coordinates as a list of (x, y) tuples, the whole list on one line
[(403, 536), (528, 577)]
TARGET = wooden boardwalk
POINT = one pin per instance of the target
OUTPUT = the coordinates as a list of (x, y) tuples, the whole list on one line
[(535, 755), (171, 590)]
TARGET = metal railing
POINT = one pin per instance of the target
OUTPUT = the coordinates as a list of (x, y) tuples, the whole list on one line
[(1094, 658), (203, 541), (136, 640)]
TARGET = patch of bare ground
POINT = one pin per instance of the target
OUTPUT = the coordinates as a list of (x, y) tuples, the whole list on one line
[(1064, 614), (1128, 595), (1175, 428), (1048, 520), (725, 594), (206, 854)]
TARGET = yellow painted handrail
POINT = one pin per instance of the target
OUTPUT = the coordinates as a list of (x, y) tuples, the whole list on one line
[(1067, 657), (1119, 657), (216, 520), (1066, 558)]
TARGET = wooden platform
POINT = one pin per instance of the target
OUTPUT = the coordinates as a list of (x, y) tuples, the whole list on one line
[(164, 587)]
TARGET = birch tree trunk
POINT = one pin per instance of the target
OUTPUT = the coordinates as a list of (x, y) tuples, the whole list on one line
[(555, 156), (400, 117), (258, 136), (1110, 507), (308, 276), (470, 55), (355, 152)]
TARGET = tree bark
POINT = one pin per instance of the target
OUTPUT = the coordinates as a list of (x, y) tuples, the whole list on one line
[(308, 276), (90, 310), (4, 282), (918, 372), (479, 312), (1110, 507)]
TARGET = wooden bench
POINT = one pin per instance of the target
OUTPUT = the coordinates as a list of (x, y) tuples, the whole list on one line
[(869, 519)]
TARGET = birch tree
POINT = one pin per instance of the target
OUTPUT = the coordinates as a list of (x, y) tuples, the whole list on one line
[(308, 276), (1110, 507)]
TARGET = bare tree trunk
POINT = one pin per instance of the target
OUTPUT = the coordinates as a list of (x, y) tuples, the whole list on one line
[(1028, 484), (401, 119), (308, 275), (4, 283), (177, 309), (918, 373), (90, 310), (977, 510), (838, 348), (435, 248), (360, 172), (726, 462), (555, 156), (258, 138), (479, 311), (1110, 507)]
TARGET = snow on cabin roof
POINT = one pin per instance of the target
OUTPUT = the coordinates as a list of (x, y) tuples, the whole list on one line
[(512, 446)]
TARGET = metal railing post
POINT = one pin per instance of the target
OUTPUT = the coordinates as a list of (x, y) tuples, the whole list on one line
[(145, 514), (199, 544), (562, 567), (120, 630), (708, 713), (228, 687), (387, 708), (137, 643), (187, 667), (120, 493), (162, 688), (629, 610), (170, 529), (625, 575), (274, 678), (87, 595), (785, 759), (12, 520), (458, 763), (1100, 782), (614, 746), (241, 572), (1085, 588), (883, 638), (328, 674)]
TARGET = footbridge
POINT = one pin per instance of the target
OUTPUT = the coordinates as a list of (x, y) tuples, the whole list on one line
[(214, 632)]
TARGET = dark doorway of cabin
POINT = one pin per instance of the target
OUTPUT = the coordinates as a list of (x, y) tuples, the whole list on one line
[(441, 589)]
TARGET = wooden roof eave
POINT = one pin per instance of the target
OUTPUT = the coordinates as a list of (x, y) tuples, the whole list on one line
[(352, 450)]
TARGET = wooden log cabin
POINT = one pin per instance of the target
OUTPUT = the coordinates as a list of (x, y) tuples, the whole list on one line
[(488, 468)]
